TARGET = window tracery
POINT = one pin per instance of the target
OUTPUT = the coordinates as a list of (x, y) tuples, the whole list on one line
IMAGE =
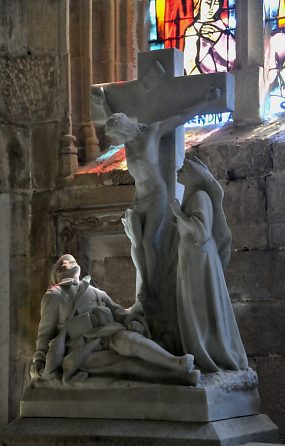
[(205, 31), (275, 20)]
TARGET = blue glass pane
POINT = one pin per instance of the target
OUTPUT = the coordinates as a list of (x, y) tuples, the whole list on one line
[(272, 6), (111, 152), (152, 16), (156, 46), (209, 119), (277, 104), (232, 21)]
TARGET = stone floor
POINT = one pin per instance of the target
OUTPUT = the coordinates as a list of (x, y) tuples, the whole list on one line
[(87, 432)]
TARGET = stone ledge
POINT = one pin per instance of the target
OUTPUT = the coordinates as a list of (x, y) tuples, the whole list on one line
[(116, 399), (78, 432), (259, 444)]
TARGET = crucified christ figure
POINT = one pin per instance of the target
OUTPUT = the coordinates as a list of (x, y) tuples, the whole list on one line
[(144, 220)]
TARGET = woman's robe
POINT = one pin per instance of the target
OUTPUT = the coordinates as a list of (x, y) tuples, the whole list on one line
[(207, 324)]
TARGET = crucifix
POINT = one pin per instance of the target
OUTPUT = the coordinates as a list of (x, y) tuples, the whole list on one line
[(160, 93)]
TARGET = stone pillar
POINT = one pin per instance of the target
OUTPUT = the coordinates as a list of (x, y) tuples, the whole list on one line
[(68, 162), (81, 69), (120, 30), (35, 111), (4, 305), (249, 69)]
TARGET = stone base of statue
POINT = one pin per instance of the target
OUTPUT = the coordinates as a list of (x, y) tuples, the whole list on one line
[(75, 432), (222, 410), (218, 396)]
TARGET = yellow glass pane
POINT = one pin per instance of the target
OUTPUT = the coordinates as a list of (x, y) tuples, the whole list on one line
[(281, 14)]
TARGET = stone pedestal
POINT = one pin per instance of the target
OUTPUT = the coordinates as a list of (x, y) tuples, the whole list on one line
[(140, 401), (218, 396), (75, 432), (221, 410)]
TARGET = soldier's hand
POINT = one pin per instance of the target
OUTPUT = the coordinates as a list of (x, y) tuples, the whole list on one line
[(136, 326), (37, 369)]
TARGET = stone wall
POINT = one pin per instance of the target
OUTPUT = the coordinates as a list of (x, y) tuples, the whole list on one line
[(119, 33), (250, 165), (33, 114), (4, 303)]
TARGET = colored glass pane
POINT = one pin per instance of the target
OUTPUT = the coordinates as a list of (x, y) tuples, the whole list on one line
[(114, 159), (203, 29), (275, 10)]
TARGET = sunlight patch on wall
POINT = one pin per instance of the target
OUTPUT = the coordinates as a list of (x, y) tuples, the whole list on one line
[(114, 159)]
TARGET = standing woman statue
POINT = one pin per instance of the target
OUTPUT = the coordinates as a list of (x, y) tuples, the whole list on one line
[(144, 220), (207, 324)]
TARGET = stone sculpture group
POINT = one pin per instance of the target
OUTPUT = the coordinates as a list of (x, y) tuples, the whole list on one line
[(83, 333)]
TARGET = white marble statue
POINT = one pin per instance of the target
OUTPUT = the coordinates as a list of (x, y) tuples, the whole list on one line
[(83, 333), (206, 320), (144, 221)]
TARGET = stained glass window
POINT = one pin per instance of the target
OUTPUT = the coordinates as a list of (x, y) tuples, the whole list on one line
[(275, 10), (204, 30)]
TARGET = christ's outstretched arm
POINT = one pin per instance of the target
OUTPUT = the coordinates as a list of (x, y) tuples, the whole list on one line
[(170, 124)]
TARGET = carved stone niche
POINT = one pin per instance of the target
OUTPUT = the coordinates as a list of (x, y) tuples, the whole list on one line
[(95, 236)]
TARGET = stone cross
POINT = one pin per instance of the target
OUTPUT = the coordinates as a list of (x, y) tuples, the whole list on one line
[(161, 91)]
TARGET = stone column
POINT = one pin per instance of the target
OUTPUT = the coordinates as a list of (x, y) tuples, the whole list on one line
[(68, 163), (4, 305), (249, 69), (120, 31), (81, 69)]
